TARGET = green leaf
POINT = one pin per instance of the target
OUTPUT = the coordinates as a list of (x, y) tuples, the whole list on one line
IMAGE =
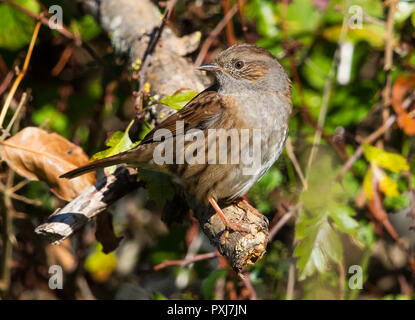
[(51, 118), (179, 99), (264, 13), (118, 142), (319, 244), (342, 217), (396, 203), (159, 187), (405, 9), (159, 296), (388, 160), (208, 285), (87, 27), (302, 17), (260, 191), (16, 28), (371, 33)]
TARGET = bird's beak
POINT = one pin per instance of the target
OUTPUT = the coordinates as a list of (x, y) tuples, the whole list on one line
[(209, 67)]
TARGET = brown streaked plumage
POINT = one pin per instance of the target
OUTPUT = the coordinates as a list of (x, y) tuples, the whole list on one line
[(252, 91)]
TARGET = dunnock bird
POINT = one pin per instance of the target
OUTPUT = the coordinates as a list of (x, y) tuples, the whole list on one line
[(252, 92)]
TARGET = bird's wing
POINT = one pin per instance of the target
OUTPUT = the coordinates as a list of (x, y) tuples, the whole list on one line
[(201, 112)]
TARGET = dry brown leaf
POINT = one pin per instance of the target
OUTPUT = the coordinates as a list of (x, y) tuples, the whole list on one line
[(105, 232), (39, 155)]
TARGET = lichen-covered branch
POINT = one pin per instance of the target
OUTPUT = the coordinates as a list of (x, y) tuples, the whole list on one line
[(130, 24)]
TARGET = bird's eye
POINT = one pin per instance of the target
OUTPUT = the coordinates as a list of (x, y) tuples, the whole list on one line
[(239, 64)]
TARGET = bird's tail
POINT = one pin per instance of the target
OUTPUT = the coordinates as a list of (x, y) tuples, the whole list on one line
[(102, 163)]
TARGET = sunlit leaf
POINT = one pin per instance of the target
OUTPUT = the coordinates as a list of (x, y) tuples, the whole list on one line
[(370, 32), (388, 160), (302, 17), (388, 186), (264, 13), (118, 142), (343, 217), (49, 117), (178, 99), (16, 27)]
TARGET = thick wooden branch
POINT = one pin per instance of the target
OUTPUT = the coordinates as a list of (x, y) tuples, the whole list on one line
[(64, 222), (130, 23)]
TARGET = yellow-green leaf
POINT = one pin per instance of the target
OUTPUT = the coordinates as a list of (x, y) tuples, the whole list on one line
[(118, 142), (387, 160), (367, 184), (99, 264), (179, 99), (388, 186), (371, 33)]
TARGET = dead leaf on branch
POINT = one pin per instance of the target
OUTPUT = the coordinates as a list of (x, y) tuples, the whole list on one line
[(39, 155), (401, 87)]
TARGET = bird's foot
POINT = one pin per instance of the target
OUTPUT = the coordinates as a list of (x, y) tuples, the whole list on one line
[(230, 225)]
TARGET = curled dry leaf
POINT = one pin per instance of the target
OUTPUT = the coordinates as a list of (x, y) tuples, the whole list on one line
[(38, 155), (401, 87)]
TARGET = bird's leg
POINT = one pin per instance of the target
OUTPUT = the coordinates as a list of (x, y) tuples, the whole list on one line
[(228, 224)]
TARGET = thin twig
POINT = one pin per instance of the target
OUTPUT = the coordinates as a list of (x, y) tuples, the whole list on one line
[(291, 282), (242, 20), (6, 81), (290, 152), (63, 60), (185, 262), (20, 76), (18, 186), (248, 285), (342, 279), (148, 55), (215, 32), (371, 138), (230, 34), (7, 232), (387, 90), (326, 96), (283, 220), (22, 102)]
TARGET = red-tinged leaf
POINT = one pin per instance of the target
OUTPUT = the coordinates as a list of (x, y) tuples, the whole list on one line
[(400, 88)]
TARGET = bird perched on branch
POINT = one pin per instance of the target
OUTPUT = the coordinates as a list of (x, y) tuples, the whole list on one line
[(226, 138)]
